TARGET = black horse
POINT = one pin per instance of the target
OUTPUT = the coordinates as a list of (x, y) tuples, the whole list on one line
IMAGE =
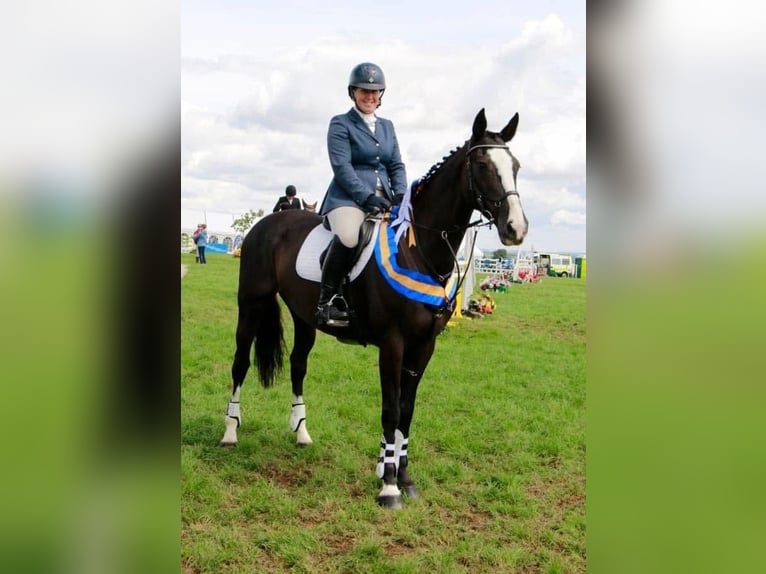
[(480, 175)]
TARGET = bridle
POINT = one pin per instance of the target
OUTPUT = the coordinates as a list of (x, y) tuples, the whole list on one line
[(483, 204)]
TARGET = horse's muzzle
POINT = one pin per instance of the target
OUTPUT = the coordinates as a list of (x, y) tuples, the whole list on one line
[(513, 233)]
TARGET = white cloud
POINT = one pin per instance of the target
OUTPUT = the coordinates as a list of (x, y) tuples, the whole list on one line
[(566, 217), (553, 198)]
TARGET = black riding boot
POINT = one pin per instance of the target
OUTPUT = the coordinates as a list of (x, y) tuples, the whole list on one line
[(331, 311)]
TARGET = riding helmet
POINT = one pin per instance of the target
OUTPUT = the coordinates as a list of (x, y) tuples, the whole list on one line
[(368, 76)]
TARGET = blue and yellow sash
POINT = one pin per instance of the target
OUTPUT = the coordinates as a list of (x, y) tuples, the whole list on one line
[(411, 284)]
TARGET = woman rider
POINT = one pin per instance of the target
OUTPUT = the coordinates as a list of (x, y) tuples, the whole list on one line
[(368, 176)]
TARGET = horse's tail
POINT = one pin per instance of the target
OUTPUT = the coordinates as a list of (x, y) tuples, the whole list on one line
[(269, 341)]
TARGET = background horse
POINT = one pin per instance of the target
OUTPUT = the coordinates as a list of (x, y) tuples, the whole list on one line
[(480, 175)]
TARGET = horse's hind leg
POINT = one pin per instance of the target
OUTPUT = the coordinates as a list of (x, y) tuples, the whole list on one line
[(245, 335), (303, 342)]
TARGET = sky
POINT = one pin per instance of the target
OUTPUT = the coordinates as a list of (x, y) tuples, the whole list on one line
[(261, 80)]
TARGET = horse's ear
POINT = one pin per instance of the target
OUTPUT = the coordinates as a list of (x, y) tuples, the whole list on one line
[(508, 131), (479, 125)]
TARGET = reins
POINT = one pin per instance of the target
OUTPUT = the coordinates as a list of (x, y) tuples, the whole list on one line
[(480, 199), (460, 279), (481, 202), (482, 206), (478, 196), (444, 234)]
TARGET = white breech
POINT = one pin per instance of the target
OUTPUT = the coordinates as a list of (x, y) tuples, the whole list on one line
[(345, 222)]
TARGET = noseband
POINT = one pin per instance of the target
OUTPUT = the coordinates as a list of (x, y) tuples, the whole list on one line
[(483, 203)]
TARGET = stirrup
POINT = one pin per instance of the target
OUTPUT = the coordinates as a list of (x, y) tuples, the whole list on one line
[(331, 315)]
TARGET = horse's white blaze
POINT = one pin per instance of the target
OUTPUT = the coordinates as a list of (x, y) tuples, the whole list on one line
[(516, 216), (298, 421), (504, 165)]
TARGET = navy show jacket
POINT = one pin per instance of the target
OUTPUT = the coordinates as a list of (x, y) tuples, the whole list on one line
[(358, 158)]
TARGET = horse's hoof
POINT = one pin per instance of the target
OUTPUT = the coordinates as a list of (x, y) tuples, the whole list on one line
[(392, 502), (227, 444), (302, 444), (410, 491)]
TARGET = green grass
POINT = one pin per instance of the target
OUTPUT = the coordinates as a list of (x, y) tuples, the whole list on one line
[(497, 446)]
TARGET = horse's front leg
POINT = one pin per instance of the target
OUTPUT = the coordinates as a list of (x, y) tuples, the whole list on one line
[(414, 364), (390, 362)]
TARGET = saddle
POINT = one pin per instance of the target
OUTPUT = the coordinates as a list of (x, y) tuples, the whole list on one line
[(314, 249), (311, 256)]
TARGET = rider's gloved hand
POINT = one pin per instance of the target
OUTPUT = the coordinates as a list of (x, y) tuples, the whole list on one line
[(398, 198), (376, 204)]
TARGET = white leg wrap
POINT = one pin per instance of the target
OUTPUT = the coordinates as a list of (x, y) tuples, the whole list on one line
[(401, 447), (302, 435), (232, 421), (390, 490), (387, 455), (297, 416), (233, 412), (298, 421)]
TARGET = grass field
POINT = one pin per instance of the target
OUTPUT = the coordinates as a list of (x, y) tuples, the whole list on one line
[(497, 446)]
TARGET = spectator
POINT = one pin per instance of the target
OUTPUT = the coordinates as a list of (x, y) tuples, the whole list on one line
[(202, 243), (195, 235)]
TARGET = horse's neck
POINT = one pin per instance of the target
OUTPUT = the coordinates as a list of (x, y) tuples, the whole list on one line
[(443, 206)]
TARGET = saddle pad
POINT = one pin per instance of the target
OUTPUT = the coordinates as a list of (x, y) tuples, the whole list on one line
[(408, 282), (307, 262)]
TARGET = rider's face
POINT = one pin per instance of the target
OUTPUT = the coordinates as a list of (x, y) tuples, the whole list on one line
[(366, 100)]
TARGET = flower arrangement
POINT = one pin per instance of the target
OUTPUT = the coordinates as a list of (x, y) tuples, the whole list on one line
[(483, 304), (528, 276), (495, 284)]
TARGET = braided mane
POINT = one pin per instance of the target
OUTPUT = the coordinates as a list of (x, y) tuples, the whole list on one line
[(423, 181)]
